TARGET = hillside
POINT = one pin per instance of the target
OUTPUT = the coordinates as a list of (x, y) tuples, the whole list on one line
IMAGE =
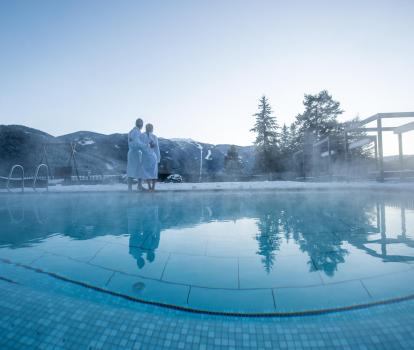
[(106, 154)]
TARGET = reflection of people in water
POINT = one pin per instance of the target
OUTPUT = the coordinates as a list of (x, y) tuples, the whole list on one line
[(144, 230)]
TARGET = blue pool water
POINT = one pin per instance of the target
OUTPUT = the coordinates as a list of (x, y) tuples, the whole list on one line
[(236, 253)]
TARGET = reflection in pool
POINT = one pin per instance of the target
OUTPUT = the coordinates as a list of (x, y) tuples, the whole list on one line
[(231, 252)]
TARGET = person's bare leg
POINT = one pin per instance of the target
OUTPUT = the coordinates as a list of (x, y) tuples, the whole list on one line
[(153, 184), (141, 186), (130, 184), (149, 185)]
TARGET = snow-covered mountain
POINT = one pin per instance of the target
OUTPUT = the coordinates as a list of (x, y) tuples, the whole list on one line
[(106, 154)]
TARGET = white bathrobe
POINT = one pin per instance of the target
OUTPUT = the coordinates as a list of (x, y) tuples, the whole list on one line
[(135, 145), (150, 156)]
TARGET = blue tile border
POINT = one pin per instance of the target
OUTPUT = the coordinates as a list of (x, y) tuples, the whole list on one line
[(38, 319)]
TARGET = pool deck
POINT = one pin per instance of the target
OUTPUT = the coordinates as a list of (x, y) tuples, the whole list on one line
[(238, 186)]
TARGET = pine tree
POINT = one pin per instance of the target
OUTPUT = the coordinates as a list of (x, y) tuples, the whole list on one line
[(266, 143), (294, 138), (320, 116), (232, 163), (285, 140)]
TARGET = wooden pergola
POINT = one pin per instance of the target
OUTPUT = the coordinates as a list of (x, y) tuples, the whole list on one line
[(379, 129)]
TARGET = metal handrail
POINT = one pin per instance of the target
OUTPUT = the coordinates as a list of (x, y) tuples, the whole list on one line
[(11, 173), (37, 173)]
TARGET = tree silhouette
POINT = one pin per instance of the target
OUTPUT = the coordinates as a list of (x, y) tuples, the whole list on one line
[(266, 143)]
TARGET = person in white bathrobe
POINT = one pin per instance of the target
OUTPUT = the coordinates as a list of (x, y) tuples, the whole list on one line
[(150, 156), (135, 146)]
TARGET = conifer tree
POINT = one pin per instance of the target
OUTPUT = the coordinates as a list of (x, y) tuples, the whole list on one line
[(320, 116), (284, 140), (266, 143), (232, 163), (294, 138)]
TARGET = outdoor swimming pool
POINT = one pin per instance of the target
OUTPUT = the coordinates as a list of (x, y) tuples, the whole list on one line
[(239, 253)]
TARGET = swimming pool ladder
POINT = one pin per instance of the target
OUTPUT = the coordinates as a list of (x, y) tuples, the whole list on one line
[(37, 173), (16, 166)]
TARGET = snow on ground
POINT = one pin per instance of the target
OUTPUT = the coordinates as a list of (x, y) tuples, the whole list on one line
[(240, 186), (198, 145), (182, 140), (86, 141), (208, 156), (190, 141)]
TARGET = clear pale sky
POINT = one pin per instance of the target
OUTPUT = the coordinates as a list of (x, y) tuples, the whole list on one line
[(196, 69)]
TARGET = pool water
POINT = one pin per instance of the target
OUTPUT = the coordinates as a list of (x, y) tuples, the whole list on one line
[(236, 253)]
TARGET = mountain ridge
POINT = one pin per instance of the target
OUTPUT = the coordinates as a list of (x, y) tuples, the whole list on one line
[(98, 153)]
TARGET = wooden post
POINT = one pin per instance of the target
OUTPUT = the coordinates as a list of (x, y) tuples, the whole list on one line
[(304, 164), (401, 155), (403, 226), (329, 158), (346, 155), (378, 217), (383, 231), (315, 162), (380, 150)]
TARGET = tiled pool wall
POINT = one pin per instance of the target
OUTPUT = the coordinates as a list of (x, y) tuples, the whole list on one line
[(79, 319)]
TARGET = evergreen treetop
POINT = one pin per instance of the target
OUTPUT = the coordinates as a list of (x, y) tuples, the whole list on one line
[(265, 125), (232, 162), (320, 115)]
